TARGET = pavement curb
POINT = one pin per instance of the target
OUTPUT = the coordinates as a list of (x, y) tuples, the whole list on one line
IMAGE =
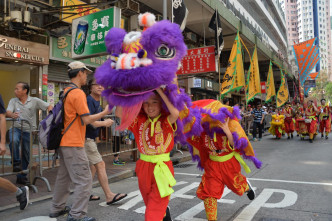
[(111, 179)]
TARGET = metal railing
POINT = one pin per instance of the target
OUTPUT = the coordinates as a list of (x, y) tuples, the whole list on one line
[(7, 170)]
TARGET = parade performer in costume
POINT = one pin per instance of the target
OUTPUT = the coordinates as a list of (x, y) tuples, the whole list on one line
[(289, 124), (154, 135), (311, 120), (324, 119), (139, 64), (218, 150), (298, 116), (277, 125)]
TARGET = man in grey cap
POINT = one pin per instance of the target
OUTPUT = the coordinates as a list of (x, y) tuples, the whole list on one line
[(74, 164)]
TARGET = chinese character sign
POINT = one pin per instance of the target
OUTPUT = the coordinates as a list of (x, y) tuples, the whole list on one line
[(198, 60), (88, 32), (61, 51)]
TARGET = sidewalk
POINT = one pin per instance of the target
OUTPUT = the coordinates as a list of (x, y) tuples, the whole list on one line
[(115, 173)]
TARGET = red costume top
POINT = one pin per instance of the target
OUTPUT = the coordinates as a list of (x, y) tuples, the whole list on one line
[(153, 137), (288, 111), (325, 112), (310, 112), (298, 112)]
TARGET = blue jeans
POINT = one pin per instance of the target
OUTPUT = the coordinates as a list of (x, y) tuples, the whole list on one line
[(14, 145)]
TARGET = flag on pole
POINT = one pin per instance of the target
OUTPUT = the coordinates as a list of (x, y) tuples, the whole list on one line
[(253, 79), (234, 76), (270, 87), (215, 25), (282, 95), (179, 13)]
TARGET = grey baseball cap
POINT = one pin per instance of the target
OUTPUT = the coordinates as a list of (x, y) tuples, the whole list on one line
[(78, 65)]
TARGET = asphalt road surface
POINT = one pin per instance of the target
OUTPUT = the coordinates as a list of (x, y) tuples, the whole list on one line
[(294, 183)]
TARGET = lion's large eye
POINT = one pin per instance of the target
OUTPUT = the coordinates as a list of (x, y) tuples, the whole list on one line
[(165, 52)]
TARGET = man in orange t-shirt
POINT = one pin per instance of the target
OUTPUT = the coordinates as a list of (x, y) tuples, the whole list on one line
[(74, 164)]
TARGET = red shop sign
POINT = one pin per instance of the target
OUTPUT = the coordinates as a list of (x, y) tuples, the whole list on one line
[(263, 87), (198, 60)]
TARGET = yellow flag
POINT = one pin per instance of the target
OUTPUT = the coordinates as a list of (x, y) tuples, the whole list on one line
[(234, 75), (270, 88), (253, 79), (282, 95), (74, 11)]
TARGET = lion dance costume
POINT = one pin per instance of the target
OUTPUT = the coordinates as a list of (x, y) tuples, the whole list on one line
[(139, 64), (221, 161), (277, 125)]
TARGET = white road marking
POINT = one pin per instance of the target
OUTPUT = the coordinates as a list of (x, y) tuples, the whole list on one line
[(270, 180), (39, 218), (249, 212)]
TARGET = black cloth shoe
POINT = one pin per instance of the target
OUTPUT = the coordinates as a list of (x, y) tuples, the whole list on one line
[(60, 213), (168, 215), (322, 135), (310, 140), (326, 137), (292, 136), (250, 193), (86, 218), (288, 138), (23, 198), (17, 169), (22, 180)]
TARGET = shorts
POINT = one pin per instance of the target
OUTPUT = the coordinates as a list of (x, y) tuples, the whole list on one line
[(92, 152)]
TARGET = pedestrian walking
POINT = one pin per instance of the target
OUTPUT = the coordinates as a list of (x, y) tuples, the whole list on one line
[(96, 161), (259, 115), (311, 119), (22, 193), (154, 169), (23, 107), (74, 165)]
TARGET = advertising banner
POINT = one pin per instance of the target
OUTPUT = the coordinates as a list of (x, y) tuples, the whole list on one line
[(88, 32)]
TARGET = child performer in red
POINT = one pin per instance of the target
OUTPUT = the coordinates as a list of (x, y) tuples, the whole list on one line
[(218, 150), (154, 135), (324, 119), (311, 120), (289, 124)]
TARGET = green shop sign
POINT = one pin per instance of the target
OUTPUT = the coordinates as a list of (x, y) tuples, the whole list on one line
[(88, 32), (61, 51)]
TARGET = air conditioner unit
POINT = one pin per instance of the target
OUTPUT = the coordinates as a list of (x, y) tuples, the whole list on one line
[(129, 7)]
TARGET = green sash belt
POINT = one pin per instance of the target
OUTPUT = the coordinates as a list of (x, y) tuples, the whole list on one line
[(228, 157), (164, 178)]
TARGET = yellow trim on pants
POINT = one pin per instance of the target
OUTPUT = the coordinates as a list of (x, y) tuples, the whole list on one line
[(164, 178)]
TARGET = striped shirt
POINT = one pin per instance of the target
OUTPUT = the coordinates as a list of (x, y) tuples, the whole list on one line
[(258, 114)]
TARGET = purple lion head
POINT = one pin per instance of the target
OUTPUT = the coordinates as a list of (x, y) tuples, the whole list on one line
[(140, 62)]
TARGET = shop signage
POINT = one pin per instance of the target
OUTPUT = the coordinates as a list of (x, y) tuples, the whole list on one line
[(198, 60), (88, 32), (23, 51), (68, 14), (263, 87), (61, 51)]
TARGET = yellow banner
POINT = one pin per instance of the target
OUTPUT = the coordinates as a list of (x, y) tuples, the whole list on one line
[(78, 11), (282, 95), (270, 88), (234, 75), (253, 80)]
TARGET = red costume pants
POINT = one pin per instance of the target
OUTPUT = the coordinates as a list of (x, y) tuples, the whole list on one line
[(217, 175), (155, 205), (289, 125), (325, 124)]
